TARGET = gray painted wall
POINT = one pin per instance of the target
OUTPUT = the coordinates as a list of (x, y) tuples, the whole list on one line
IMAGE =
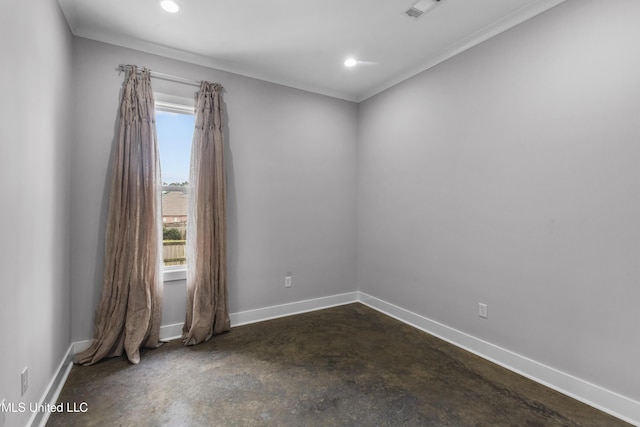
[(509, 175), (291, 184), (35, 135)]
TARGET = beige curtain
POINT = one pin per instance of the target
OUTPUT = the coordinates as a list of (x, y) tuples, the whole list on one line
[(207, 307), (128, 316)]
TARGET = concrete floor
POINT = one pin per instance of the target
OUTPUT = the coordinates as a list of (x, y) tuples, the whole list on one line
[(344, 366)]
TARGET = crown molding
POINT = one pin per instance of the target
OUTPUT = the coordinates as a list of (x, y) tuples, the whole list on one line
[(517, 17)]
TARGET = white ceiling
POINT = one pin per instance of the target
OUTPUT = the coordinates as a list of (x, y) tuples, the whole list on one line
[(303, 43)]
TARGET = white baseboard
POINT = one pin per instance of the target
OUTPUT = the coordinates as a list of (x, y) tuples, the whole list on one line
[(605, 400), (171, 332), (174, 331), (80, 346), (282, 310), (52, 392)]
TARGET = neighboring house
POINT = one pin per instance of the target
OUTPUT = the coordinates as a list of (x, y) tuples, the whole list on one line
[(175, 205)]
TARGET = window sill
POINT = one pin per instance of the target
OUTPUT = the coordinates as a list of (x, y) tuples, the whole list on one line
[(174, 274)]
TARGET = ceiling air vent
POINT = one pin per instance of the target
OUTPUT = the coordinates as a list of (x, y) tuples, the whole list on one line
[(414, 13), (421, 7)]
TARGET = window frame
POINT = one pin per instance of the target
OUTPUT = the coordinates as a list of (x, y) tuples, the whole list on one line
[(180, 105)]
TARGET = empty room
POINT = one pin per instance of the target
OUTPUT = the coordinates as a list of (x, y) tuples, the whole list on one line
[(345, 213)]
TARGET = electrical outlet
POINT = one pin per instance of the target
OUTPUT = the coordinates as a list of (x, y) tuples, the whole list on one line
[(287, 280), (483, 310), (24, 377)]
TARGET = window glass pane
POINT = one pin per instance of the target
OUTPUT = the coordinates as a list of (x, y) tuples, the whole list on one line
[(175, 132)]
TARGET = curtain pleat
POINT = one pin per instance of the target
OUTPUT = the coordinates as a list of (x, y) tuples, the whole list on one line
[(207, 301), (128, 315)]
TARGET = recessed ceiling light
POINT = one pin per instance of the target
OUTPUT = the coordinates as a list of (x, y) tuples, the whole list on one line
[(170, 6), (350, 62)]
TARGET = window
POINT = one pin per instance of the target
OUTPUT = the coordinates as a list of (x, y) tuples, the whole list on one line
[(174, 126)]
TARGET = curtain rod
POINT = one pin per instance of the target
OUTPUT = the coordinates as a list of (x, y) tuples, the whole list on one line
[(163, 76)]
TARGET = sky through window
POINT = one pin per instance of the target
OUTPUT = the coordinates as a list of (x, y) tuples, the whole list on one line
[(175, 132)]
